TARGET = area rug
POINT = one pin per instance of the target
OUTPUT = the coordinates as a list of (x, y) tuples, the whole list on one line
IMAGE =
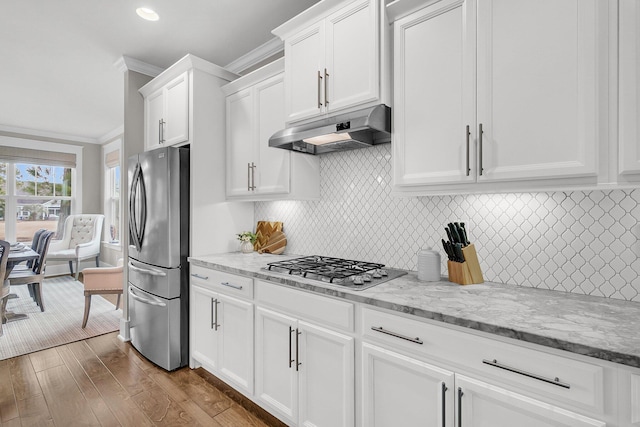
[(60, 323)]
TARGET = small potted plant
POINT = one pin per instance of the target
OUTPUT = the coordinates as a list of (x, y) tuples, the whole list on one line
[(247, 239)]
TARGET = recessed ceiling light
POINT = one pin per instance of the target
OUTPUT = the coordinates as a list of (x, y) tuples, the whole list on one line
[(148, 14)]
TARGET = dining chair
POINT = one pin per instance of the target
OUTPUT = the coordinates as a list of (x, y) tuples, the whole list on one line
[(34, 245), (4, 294), (35, 276), (101, 280)]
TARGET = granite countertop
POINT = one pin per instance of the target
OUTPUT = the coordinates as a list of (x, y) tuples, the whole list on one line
[(603, 328)]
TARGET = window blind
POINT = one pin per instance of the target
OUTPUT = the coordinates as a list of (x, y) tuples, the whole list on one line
[(37, 157), (112, 159)]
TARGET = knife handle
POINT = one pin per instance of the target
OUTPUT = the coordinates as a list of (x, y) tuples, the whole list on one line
[(466, 236), (448, 234)]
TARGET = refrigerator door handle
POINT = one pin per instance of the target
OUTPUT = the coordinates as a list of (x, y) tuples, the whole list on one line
[(137, 225), (149, 271), (145, 301)]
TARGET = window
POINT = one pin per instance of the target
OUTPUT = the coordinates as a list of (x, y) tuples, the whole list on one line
[(39, 194), (37, 187), (113, 223)]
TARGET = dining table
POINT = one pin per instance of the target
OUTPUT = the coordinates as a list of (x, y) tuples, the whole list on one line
[(16, 257)]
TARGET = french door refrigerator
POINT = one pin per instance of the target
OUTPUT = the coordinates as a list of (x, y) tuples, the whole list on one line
[(158, 250)]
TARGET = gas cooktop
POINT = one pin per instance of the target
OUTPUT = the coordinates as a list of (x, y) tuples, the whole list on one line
[(356, 275)]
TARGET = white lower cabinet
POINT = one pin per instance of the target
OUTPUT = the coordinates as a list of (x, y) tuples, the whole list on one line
[(418, 373), (222, 336), (304, 372), (399, 390), (481, 404)]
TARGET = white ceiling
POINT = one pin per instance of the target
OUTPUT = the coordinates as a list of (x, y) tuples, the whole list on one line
[(57, 58)]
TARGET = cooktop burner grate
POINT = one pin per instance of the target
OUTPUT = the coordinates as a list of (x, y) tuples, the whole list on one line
[(357, 275)]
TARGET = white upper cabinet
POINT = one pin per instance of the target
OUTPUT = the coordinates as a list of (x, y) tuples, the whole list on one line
[(629, 154), (537, 103), (497, 92), (434, 95), (332, 59), (256, 171), (167, 114)]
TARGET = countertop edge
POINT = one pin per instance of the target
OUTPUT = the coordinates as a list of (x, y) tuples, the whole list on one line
[(532, 338)]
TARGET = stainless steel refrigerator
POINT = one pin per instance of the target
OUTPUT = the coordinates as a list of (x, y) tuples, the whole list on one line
[(158, 249)]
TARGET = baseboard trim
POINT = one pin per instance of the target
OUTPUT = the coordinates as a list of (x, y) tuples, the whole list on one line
[(124, 330)]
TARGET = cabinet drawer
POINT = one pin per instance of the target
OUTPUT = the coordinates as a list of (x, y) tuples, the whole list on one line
[(326, 311), (230, 284), (524, 369)]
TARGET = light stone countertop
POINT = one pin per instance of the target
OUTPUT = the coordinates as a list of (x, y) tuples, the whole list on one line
[(603, 328)]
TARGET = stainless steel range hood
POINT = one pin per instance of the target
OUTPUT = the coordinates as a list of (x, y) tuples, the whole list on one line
[(358, 129)]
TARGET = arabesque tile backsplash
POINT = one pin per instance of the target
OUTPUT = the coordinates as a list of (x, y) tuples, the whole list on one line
[(579, 241)]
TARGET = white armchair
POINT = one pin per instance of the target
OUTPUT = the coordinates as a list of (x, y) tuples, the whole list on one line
[(80, 240)]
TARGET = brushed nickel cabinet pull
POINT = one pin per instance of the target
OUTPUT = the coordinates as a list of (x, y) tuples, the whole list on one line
[(326, 79), (213, 325), (248, 176), (444, 404), (416, 340), (161, 123), (460, 394), (468, 135), (298, 363), (253, 176), (216, 322), (231, 285), (319, 89), (290, 342), (555, 381), (480, 133), (197, 276)]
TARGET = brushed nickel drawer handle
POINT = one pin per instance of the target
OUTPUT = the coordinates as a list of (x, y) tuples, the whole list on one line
[(416, 340), (554, 381), (231, 285), (197, 276)]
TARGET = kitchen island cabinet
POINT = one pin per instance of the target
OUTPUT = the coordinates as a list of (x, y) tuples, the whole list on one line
[(256, 171), (334, 59), (499, 95)]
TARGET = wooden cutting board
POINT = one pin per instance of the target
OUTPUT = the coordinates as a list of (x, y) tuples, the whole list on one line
[(264, 230), (276, 244)]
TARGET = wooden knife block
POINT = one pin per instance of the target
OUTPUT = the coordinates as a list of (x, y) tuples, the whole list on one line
[(467, 272)]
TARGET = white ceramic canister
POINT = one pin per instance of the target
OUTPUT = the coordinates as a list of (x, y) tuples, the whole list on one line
[(429, 265)]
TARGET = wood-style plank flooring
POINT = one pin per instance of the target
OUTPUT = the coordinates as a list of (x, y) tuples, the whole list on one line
[(105, 382)]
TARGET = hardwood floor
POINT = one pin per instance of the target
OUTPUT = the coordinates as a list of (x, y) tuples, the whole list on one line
[(105, 382)]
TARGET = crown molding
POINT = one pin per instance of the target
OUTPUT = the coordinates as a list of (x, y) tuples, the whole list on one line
[(125, 63), (111, 135), (46, 134), (262, 52)]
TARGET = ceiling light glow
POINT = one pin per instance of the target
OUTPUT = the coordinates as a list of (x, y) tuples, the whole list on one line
[(148, 14)]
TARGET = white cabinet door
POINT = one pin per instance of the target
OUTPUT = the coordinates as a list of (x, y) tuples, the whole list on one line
[(235, 331), (434, 101), (273, 167), (537, 80), (276, 376), (485, 405), (326, 370), (629, 154), (351, 73), (153, 113), (401, 391), (240, 142), (176, 111), (204, 337), (304, 68)]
